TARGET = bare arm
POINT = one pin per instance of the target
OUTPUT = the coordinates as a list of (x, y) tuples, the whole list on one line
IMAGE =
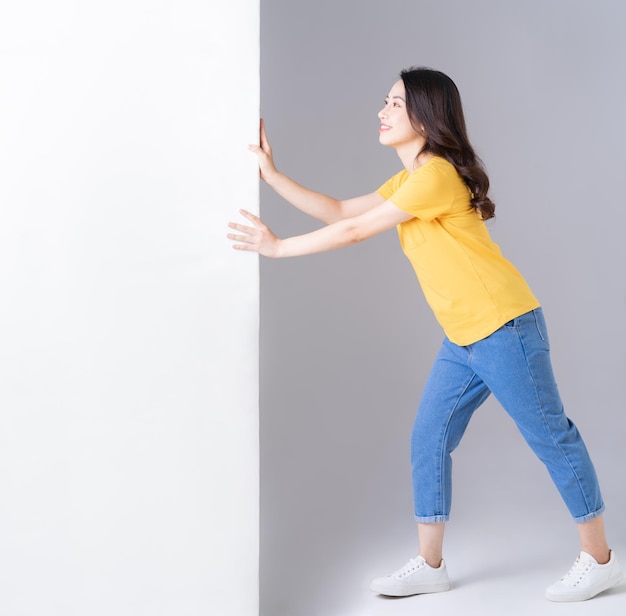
[(320, 206), (259, 238)]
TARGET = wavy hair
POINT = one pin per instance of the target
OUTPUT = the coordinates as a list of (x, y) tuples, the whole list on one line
[(434, 107)]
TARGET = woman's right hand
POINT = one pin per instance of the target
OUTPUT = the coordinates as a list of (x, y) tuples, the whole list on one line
[(267, 169)]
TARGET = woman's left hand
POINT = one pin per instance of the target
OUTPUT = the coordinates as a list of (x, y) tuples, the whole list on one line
[(258, 238)]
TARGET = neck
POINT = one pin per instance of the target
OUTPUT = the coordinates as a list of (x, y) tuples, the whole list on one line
[(409, 158)]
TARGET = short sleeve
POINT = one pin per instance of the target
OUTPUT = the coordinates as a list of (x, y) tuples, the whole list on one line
[(427, 193), (391, 185)]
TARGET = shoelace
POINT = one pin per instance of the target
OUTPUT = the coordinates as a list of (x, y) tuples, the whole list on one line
[(578, 571), (411, 567)]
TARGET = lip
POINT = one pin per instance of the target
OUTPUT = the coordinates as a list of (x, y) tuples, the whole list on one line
[(383, 128)]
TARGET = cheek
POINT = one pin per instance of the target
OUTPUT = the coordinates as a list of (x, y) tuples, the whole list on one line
[(419, 133), (408, 127), (405, 121)]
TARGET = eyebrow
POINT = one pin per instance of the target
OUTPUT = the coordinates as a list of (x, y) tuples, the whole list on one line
[(387, 98)]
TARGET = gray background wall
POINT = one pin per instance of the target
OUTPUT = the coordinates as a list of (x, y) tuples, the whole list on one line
[(346, 337)]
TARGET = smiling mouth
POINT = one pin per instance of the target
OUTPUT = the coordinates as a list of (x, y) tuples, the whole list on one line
[(384, 127)]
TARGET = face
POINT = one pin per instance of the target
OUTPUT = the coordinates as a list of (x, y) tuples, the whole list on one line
[(395, 126)]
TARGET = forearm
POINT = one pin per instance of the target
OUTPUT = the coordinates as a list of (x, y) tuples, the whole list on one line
[(336, 235), (314, 204), (260, 238)]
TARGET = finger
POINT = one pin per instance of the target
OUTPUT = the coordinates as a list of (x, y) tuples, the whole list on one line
[(246, 239), (243, 247), (265, 144), (244, 228), (250, 216)]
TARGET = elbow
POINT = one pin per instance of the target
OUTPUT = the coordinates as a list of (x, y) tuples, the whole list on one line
[(335, 214), (354, 234)]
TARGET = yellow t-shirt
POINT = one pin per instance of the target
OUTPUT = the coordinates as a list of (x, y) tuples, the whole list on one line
[(472, 289)]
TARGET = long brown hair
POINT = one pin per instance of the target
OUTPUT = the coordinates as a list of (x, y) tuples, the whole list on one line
[(434, 103)]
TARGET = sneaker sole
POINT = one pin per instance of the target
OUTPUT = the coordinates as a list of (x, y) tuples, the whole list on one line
[(589, 594), (407, 591)]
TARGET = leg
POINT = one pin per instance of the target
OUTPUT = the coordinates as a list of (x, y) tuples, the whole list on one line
[(593, 539), (430, 538), (451, 395), (515, 364)]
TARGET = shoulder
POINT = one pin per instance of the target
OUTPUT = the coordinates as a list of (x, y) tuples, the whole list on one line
[(399, 178), (392, 184), (436, 167), (438, 175), (435, 175)]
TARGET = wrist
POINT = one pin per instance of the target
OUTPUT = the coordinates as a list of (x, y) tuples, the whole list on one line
[(272, 178), (279, 250)]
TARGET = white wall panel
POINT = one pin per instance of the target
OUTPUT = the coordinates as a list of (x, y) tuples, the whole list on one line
[(128, 326)]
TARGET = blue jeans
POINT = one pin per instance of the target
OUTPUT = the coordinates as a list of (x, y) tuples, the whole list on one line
[(514, 364)]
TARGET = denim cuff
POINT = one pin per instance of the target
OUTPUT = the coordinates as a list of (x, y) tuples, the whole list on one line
[(431, 519), (589, 516)]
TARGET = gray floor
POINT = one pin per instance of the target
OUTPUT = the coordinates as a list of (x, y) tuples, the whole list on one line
[(514, 587), (510, 585), (498, 566)]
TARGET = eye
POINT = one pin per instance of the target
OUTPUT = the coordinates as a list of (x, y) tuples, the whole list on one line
[(396, 104)]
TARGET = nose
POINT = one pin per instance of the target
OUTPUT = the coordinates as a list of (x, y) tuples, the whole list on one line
[(382, 113)]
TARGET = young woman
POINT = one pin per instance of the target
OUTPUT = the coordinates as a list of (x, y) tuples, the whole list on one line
[(495, 335)]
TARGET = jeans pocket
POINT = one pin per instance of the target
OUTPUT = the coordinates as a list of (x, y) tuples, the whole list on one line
[(540, 323)]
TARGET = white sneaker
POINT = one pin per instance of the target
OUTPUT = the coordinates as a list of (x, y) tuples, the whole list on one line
[(415, 578), (586, 579)]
